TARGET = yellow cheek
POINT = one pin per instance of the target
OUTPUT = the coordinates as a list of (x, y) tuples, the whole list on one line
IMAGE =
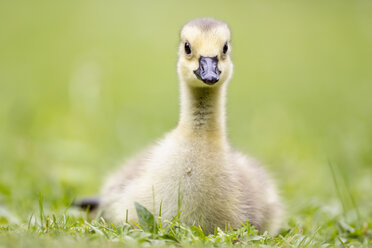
[(187, 69), (226, 69), (190, 65)]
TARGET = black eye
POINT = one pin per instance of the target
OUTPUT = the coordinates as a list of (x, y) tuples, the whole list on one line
[(225, 48), (187, 48)]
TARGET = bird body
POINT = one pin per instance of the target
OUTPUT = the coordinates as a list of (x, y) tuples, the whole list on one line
[(194, 167)]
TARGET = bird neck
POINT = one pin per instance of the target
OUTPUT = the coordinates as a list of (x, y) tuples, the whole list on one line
[(203, 111)]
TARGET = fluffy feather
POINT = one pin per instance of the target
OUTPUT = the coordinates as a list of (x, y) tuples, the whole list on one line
[(218, 185)]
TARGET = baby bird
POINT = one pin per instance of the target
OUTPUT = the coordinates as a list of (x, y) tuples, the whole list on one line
[(217, 184)]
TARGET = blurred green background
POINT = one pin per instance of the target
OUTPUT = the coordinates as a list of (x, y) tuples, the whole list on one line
[(86, 84)]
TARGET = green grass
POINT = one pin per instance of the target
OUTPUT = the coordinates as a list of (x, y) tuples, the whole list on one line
[(86, 84), (314, 226)]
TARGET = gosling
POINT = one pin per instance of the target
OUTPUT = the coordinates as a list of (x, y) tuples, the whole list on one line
[(217, 184)]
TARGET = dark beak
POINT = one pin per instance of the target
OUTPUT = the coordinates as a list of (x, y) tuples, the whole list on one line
[(208, 70)]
